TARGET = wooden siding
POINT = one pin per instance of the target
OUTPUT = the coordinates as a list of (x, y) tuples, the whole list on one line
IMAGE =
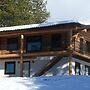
[(80, 43), (86, 35)]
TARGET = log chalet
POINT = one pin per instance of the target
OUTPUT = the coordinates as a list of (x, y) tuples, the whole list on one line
[(47, 49)]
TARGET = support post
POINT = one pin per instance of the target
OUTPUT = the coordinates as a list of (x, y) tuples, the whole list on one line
[(70, 65), (21, 55), (70, 52)]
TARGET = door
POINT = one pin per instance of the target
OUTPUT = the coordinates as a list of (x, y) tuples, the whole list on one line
[(26, 69)]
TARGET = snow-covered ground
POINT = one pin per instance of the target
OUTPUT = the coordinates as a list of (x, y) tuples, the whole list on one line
[(45, 83)]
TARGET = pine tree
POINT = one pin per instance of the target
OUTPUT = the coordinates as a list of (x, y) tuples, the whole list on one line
[(20, 12)]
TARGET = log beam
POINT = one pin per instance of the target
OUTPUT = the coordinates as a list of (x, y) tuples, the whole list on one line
[(21, 56)]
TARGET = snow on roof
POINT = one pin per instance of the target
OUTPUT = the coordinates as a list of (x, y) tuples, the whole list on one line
[(18, 27), (35, 25), (45, 83)]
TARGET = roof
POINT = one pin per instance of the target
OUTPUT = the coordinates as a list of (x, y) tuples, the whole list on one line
[(48, 24)]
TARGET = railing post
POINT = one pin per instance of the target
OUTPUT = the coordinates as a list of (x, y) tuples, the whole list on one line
[(21, 55)]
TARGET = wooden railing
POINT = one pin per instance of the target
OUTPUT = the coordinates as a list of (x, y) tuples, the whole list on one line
[(16, 53), (4, 50), (75, 48), (8, 52)]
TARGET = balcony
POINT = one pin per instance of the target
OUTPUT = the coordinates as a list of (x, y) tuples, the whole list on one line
[(81, 50), (6, 54)]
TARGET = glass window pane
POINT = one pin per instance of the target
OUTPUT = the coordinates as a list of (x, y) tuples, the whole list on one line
[(9, 67), (56, 41), (33, 44), (88, 46), (26, 69), (12, 44)]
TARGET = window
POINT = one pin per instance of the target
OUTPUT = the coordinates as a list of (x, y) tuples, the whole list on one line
[(81, 45), (56, 41), (10, 67), (88, 46), (33, 44), (12, 44)]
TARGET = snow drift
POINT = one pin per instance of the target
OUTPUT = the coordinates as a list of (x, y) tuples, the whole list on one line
[(45, 83)]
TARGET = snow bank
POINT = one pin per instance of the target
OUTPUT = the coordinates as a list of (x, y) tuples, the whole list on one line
[(45, 83)]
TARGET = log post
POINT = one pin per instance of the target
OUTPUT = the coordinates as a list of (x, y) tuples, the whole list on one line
[(21, 55), (70, 52)]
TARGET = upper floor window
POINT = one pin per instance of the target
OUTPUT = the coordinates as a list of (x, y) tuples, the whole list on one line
[(88, 46), (82, 45), (33, 44), (12, 44), (56, 41)]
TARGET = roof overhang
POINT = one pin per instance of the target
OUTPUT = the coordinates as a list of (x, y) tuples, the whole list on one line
[(62, 26)]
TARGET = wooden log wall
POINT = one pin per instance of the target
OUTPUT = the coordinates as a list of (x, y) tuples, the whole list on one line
[(80, 41)]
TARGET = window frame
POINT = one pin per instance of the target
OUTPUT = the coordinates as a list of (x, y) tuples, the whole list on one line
[(14, 67), (28, 67)]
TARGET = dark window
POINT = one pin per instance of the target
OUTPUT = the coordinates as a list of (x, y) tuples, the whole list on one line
[(10, 67), (56, 41), (82, 46), (77, 68), (88, 46), (12, 44), (33, 44)]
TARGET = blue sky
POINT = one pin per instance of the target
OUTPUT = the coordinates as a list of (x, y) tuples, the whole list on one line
[(60, 10)]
